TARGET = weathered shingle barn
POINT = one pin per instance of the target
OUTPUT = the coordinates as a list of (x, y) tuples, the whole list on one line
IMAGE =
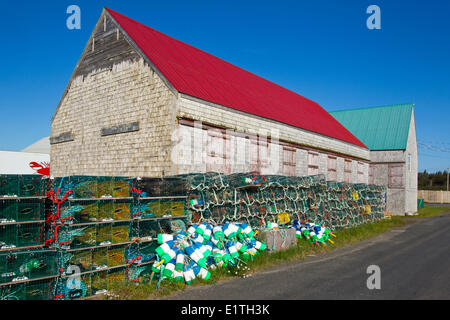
[(390, 134), (140, 103)]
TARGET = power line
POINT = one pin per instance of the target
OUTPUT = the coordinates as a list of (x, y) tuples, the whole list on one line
[(432, 156), (433, 147)]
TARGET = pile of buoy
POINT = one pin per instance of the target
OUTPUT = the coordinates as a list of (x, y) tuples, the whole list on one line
[(312, 232), (189, 254)]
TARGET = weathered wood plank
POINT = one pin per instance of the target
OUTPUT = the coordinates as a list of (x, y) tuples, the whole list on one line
[(63, 137), (108, 51), (123, 128)]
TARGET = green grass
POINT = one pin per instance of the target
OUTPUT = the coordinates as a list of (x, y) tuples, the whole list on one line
[(431, 211), (266, 260)]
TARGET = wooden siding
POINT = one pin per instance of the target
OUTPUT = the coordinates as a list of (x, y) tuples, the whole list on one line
[(107, 48)]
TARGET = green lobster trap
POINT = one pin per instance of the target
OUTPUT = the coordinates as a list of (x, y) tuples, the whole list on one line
[(92, 234), (91, 259), (80, 211), (87, 187), (145, 229), (146, 208), (21, 235), (29, 264), (30, 290), (166, 187), (22, 210), (89, 284), (32, 185), (83, 211), (259, 199)]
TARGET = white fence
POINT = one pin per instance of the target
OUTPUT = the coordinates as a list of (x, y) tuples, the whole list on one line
[(434, 196)]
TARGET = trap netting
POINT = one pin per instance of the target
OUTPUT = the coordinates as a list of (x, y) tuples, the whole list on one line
[(22, 210), (105, 227), (27, 185), (30, 264), (29, 290), (101, 227), (86, 187), (258, 199)]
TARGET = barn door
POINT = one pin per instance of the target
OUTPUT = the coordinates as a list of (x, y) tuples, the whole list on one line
[(288, 161), (217, 152)]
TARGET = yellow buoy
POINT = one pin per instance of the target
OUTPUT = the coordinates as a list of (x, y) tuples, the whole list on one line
[(283, 218)]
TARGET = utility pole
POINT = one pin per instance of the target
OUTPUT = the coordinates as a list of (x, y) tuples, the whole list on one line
[(448, 168)]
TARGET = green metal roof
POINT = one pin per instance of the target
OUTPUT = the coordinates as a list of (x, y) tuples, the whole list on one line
[(379, 128)]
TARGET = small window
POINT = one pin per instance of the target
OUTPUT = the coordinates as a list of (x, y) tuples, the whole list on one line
[(259, 154), (217, 152), (395, 176), (331, 169), (313, 163), (409, 162), (360, 172), (289, 161), (348, 171)]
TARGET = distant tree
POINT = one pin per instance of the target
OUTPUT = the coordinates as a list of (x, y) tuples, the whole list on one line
[(432, 181)]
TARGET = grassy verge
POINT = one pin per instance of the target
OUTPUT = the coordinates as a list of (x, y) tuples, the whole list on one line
[(265, 260), (431, 211)]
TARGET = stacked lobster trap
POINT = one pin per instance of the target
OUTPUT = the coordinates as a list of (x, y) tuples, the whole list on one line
[(93, 231), (257, 200), (24, 264), (72, 237)]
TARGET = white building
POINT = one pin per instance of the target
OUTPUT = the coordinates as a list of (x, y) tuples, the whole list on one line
[(18, 162)]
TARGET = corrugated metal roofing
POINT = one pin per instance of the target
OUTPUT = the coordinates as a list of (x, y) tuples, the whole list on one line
[(199, 74), (379, 128)]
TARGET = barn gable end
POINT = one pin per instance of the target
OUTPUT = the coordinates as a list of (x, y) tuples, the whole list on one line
[(116, 109)]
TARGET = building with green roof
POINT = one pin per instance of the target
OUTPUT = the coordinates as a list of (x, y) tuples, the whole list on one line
[(390, 134)]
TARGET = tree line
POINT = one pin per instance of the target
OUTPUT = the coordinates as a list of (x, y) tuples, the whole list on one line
[(432, 181)]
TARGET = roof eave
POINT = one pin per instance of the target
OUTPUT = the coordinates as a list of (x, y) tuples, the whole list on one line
[(141, 53), (187, 96)]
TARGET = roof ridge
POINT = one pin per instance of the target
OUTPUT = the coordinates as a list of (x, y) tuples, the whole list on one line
[(379, 128), (200, 74), (375, 107), (210, 54)]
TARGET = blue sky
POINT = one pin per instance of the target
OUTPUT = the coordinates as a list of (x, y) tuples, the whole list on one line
[(319, 49)]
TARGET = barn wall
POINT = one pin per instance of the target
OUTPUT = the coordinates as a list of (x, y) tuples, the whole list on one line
[(130, 92), (411, 169), (395, 196), (247, 125), (323, 164), (113, 89), (241, 122), (192, 148), (340, 169), (301, 162)]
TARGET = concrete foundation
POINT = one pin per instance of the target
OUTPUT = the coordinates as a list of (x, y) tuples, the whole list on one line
[(277, 240)]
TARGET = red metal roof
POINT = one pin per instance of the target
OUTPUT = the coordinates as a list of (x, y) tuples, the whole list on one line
[(202, 75)]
